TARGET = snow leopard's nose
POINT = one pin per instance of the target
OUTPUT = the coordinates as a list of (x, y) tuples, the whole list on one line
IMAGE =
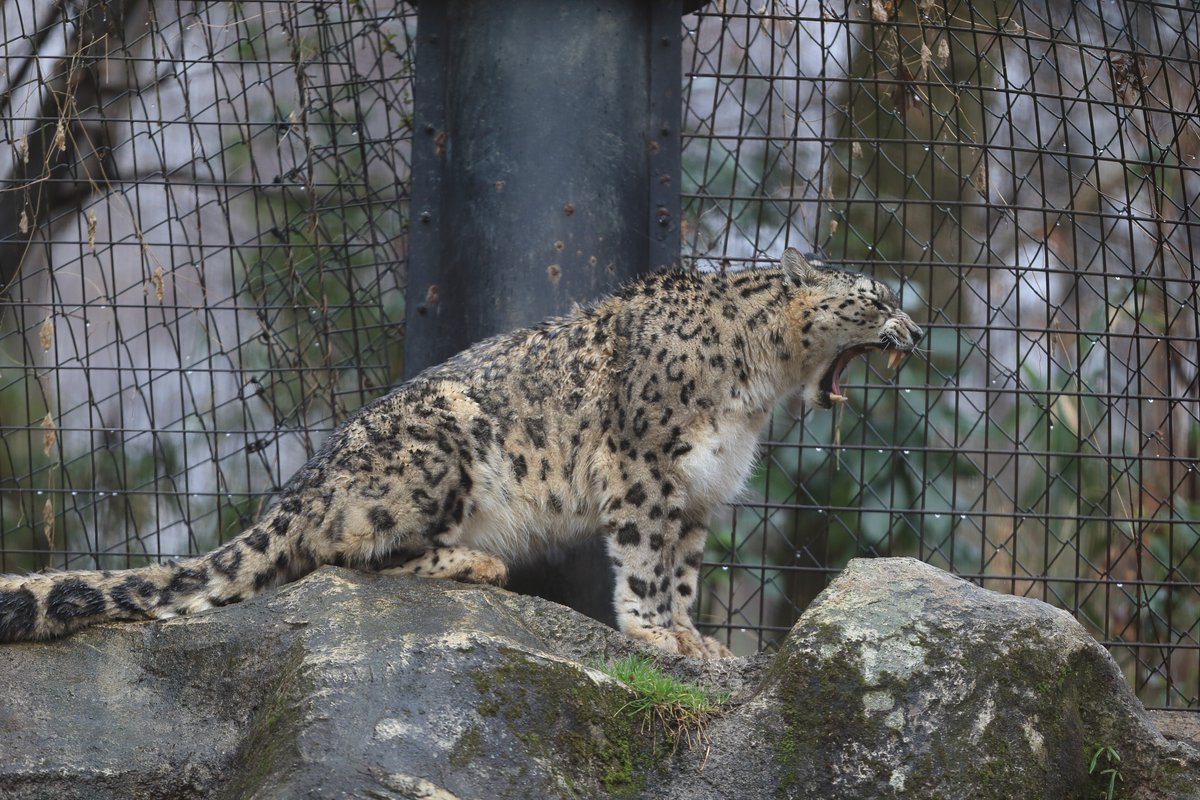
[(903, 327)]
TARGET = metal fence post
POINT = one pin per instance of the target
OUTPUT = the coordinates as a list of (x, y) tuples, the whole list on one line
[(545, 172)]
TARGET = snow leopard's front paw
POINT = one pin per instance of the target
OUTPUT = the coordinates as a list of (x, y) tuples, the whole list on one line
[(693, 643), (678, 639), (709, 647)]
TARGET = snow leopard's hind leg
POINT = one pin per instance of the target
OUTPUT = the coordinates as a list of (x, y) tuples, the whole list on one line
[(456, 563)]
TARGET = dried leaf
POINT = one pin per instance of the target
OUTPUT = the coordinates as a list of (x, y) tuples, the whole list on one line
[(48, 522), (49, 434), (904, 94), (46, 334), (91, 230), (1128, 83), (943, 51), (159, 284), (979, 179), (23, 222)]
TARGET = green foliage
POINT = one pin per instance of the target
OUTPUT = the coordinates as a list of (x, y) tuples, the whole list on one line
[(662, 701), (657, 689), (1109, 773), (313, 278), (22, 464)]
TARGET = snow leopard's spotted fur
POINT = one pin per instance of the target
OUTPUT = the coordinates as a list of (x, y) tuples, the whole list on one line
[(631, 418)]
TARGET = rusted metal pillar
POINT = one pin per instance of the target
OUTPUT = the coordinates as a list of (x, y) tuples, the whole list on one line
[(545, 172)]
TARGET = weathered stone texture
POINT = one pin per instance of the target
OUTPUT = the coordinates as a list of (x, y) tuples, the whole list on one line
[(900, 681)]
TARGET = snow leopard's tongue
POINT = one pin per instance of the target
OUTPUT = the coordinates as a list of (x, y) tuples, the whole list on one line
[(835, 386)]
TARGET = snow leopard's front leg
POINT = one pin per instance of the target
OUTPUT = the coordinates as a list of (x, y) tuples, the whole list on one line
[(656, 553), (688, 555)]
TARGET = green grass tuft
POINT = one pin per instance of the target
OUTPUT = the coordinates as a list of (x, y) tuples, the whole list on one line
[(663, 702)]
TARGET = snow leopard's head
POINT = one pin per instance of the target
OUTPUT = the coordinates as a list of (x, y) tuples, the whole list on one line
[(835, 316)]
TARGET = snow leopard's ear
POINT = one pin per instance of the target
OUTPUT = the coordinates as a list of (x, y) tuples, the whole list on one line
[(802, 270)]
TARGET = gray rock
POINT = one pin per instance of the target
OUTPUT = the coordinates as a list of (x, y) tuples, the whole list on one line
[(904, 681), (1181, 726), (900, 681)]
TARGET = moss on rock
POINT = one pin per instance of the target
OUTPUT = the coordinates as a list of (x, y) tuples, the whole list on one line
[(928, 686), (574, 718), (900, 681)]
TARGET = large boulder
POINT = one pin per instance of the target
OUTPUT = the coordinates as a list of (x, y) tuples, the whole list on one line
[(901, 680), (904, 681)]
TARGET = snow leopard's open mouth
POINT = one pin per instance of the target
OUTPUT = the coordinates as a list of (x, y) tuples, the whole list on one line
[(830, 391)]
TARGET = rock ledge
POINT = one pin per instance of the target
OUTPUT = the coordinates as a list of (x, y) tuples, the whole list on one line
[(900, 681)]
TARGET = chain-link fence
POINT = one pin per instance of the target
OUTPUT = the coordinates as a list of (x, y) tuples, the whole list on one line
[(1025, 173), (207, 204), (203, 224)]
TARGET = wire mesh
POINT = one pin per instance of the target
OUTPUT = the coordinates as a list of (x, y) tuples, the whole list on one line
[(1025, 174), (208, 203)]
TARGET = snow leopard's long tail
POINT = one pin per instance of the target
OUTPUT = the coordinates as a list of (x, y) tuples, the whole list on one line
[(51, 604)]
